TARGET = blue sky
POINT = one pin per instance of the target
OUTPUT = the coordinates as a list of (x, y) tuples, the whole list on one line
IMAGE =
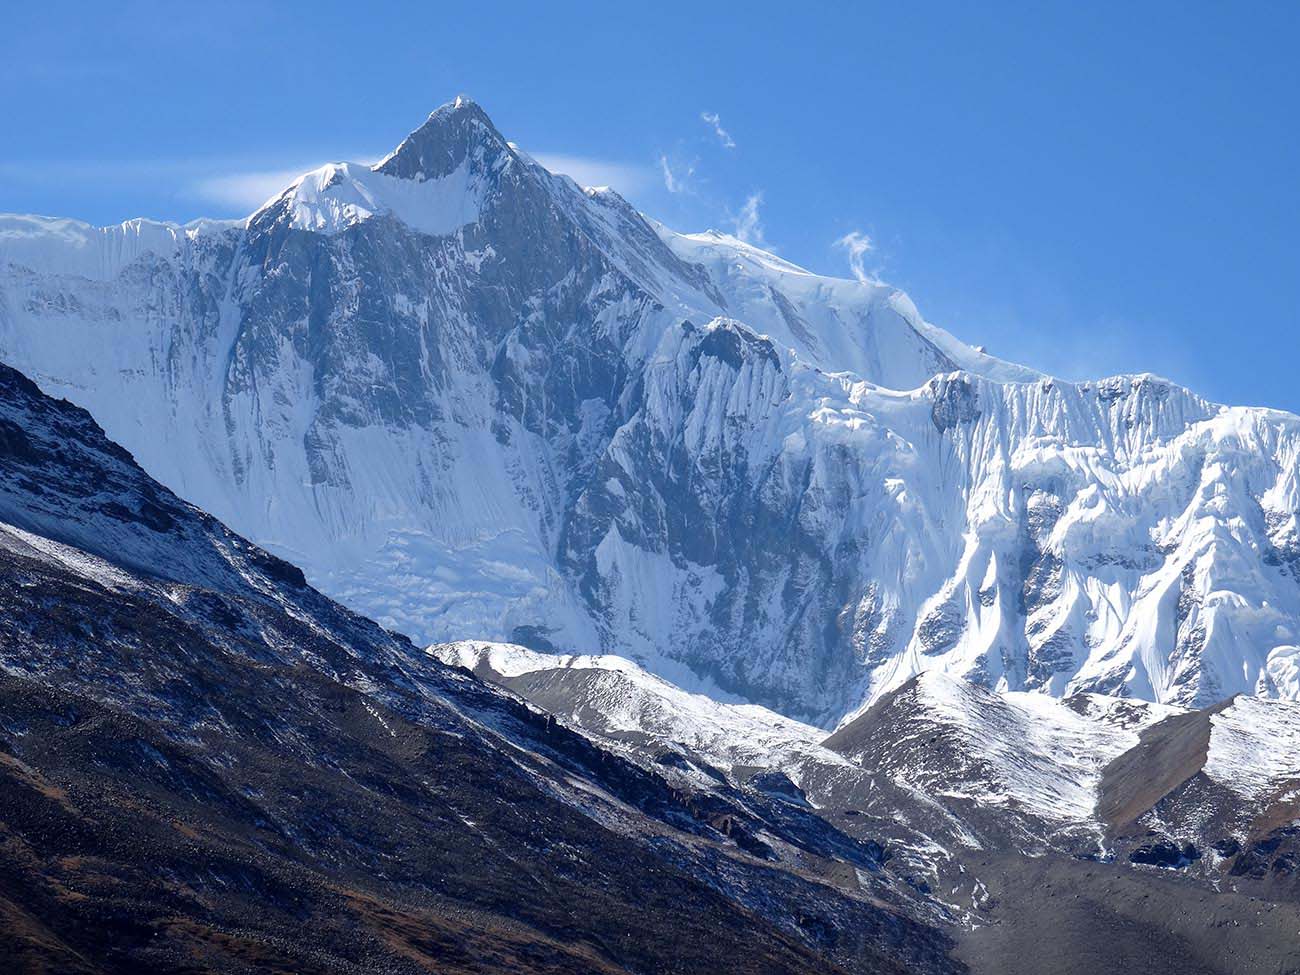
[(1085, 188)]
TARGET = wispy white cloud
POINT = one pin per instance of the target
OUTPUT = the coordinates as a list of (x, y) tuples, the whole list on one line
[(857, 246), (249, 189), (235, 186), (670, 178), (246, 191), (749, 226), (715, 122), (591, 171), (676, 175)]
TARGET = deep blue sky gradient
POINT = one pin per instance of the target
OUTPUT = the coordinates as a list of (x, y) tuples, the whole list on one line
[(1087, 188)]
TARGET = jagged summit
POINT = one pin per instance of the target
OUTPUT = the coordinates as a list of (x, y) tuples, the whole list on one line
[(436, 181), (453, 133)]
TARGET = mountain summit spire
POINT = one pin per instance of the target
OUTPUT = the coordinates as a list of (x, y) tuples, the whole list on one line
[(443, 142)]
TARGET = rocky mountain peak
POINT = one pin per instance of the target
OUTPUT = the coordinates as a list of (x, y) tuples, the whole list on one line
[(441, 145)]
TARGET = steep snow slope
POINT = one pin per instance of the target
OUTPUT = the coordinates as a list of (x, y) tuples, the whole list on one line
[(76, 249), (473, 399)]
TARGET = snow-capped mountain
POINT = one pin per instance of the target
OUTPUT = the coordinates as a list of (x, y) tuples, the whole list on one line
[(472, 399)]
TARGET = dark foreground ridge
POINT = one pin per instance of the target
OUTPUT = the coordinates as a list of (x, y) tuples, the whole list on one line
[(206, 766)]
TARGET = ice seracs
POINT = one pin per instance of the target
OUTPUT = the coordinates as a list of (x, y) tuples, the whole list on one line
[(62, 246)]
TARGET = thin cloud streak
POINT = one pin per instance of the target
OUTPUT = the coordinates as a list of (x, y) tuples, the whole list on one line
[(590, 171), (748, 223), (715, 122), (857, 246), (670, 178), (677, 179), (231, 184), (239, 185), (247, 191)]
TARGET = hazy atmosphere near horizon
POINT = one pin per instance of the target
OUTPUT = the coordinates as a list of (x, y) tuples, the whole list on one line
[(1089, 189), (556, 489)]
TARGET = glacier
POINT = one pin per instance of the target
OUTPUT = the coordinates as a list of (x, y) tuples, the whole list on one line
[(474, 400)]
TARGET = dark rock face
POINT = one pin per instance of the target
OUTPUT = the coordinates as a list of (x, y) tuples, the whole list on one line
[(445, 142), (1274, 858), (1168, 755), (776, 783), (61, 477), (1165, 853), (955, 402)]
